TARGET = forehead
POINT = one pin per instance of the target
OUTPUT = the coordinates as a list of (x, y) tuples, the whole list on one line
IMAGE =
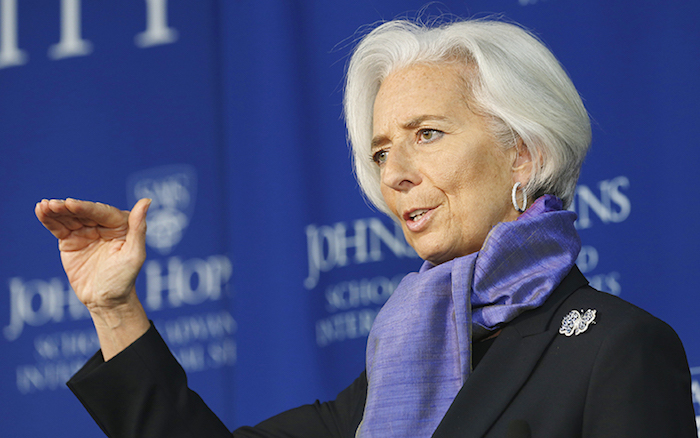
[(410, 92)]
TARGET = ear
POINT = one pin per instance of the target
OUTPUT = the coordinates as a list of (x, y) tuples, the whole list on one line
[(522, 163)]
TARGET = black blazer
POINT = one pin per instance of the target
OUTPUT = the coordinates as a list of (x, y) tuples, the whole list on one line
[(626, 376)]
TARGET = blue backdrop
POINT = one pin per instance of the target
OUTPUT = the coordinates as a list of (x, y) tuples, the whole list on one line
[(265, 266)]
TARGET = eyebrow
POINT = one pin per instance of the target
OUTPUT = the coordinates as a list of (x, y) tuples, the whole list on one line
[(411, 124)]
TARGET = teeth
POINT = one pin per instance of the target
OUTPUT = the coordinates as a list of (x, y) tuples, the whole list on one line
[(416, 215)]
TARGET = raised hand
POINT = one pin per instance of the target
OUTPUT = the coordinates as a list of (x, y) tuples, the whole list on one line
[(102, 250)]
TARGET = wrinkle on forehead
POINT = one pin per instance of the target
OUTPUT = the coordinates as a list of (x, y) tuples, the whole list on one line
[(467, 73)]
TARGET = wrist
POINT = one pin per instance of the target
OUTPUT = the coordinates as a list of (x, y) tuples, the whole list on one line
[(118, 326), (116, 314)]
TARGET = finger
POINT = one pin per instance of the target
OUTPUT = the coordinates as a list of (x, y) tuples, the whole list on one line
[(136, 235), (97, 212), (79, 239), (45, 216), (58, 210), (87, 222)]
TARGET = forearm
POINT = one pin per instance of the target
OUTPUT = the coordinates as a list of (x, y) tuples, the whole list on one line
[(119, 326), (142, 392)]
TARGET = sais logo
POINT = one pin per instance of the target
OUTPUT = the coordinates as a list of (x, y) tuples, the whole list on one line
[(173, 190)]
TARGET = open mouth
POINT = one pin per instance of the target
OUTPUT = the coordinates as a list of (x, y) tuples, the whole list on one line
[(419, 219), (416, 215)]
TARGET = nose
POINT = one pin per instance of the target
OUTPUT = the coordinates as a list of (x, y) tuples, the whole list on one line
[(400, 171)]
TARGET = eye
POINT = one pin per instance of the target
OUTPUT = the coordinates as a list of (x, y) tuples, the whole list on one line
[(380, 156), (429, 135)]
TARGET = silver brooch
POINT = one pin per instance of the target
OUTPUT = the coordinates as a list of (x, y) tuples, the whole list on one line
[(575, 324)]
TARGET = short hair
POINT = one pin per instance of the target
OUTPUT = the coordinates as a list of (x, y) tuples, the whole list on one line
[(512, 78)]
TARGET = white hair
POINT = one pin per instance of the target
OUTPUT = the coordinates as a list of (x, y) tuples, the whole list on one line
[(512, 78)]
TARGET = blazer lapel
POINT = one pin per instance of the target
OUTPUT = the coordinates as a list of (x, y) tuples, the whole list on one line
[(506, 367)]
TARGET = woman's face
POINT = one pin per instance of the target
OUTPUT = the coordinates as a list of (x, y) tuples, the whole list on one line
[(442, 173)]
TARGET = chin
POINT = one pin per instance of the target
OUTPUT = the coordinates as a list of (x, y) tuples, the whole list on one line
[(437, 256), (430, 250)]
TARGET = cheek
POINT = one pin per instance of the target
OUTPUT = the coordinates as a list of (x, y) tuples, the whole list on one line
[(470, 177), (389, 197), (491, 172), (480, 186)]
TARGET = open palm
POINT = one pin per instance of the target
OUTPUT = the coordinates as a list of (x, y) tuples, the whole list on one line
[(102, 247)]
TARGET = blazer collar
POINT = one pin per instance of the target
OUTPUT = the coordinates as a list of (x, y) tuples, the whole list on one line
[(514, 354)]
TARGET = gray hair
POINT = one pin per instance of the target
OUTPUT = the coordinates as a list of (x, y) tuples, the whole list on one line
[(512, 78)]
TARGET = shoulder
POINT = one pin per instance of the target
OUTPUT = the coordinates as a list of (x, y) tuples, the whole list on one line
[(636, 368), (613, 314), (621, 336)]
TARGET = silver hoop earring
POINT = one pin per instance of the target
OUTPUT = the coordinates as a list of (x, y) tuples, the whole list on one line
[(515, 202)]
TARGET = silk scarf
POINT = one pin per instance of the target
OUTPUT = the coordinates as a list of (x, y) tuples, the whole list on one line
[(419, 347)]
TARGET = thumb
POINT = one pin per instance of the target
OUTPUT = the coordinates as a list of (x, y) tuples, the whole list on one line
[(136, 234)]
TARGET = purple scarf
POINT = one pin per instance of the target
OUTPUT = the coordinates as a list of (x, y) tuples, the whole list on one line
[(419, 347)]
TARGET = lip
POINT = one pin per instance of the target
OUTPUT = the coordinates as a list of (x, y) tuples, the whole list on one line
[(422, 223)]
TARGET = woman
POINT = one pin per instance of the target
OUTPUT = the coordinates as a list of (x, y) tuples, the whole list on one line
[(471, 136)]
